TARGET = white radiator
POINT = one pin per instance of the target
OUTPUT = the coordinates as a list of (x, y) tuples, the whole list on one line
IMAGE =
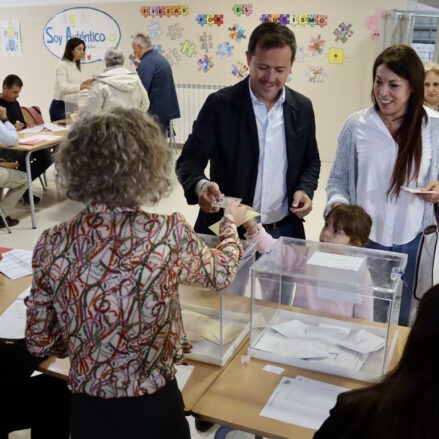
[(191, 98)]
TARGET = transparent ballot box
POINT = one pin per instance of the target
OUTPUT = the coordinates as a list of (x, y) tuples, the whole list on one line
[(76, 104), (216, 322), (326, 307)]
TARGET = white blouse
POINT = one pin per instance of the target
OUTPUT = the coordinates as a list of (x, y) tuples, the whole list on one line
[(68, 79), (395, 220)]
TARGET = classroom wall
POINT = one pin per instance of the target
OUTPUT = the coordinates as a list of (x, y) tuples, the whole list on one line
[(336, 90)]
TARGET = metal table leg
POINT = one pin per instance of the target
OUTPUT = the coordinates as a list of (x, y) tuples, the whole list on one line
[(29, 187)]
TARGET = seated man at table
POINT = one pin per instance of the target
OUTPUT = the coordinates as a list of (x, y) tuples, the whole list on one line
[(40, 160), (16, 181)]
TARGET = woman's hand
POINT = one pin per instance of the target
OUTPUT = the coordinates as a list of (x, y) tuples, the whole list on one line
[(432, 186)]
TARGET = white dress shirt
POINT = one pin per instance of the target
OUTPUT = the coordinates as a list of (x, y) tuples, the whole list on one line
[(270, 198), (68, 79), (395, 220), (8, 134)]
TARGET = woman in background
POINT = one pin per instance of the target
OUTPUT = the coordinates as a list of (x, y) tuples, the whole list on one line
[(431, 83), (393, 143), (68, 77), (105, 284)]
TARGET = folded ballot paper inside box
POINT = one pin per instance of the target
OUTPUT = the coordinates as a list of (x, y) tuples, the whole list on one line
[(216, 322), (328, 307)]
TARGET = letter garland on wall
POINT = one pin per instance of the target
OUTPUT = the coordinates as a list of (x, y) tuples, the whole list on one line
[(242, 8), (210, 19), (296, 19), (164, 11)]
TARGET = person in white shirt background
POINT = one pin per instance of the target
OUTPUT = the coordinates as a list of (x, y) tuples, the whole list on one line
[(393, 143), (15, 180), (432, 86), (68, 77)]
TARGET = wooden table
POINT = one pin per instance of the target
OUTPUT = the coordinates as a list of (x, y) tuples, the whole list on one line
[(29, 149), (239, 394)]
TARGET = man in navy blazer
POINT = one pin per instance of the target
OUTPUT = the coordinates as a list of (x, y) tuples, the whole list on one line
[(259, 137)]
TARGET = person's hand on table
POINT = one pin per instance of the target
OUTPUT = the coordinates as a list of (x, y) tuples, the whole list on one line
[(432, 186), (18, 125), (301, 205), (9, 165), (209, 192)]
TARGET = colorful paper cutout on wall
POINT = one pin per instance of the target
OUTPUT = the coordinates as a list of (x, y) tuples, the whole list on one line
[(205, 64), (336, 56), (224, 50), (164, 11), (343, 32), (373, 23), (310, 20), (316, 74), (173, 57), (175, 31), (316, 45), (210, 19), (11, 40), (154, 29), (237, 33), (134, 61), (242, 8), (239, 70), (188, 48), (300, 54), (206, 42)]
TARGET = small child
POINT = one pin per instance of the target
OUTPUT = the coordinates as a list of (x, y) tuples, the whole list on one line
[(344, 224)]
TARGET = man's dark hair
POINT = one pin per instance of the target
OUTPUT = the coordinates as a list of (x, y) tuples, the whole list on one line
[(12, 80), (269, 35)]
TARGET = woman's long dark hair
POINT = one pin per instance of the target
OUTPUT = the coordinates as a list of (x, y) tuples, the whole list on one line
[(71, 44), (405, 62), (406, 401)]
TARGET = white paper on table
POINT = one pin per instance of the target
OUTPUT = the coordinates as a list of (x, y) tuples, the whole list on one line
[(331, 333), (363, 341), (302, 401), (273, 369), (13, 321), (54, 127), (331, 260), (16, 263), (183, 374), (291, 328), (33, 130), (417, 190)]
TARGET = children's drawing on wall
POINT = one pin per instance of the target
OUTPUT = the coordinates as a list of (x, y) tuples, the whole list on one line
[(173, 57), (301, 54), (336, 55), (316, 74), (175, 31), (133, 60), (188, 48), (316, 45), (239, 70), (373, 23), (205, 64), (206, 42), (343, 32), (210, 19), (11, 38), (154, 29), (237, 33), (242, 9), (224, 50)]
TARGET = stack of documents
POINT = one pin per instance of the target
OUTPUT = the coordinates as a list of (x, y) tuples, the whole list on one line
[(48, 126), (16, 263), (302, 401), (13, 320), (326, 343)]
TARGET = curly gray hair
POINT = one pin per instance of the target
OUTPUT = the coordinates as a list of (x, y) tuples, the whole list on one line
[(118, 158), (114, 57)]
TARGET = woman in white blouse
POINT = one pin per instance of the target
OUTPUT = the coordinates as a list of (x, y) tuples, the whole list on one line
[(68, 77), (393, 143)]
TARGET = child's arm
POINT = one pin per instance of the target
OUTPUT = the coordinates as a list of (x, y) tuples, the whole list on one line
[(256, 233)]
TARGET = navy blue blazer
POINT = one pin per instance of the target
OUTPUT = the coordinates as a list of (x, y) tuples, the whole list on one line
[(225, 133)]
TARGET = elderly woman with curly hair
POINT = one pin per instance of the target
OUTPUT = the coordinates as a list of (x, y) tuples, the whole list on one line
[(105, 285)]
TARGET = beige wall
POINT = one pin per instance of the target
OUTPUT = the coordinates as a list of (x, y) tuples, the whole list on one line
[(345, 89)]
